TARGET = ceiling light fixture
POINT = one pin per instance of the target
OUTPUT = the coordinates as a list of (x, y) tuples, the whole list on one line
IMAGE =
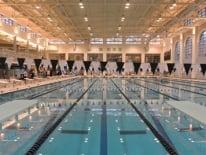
[(89, 28), (49, 19), (127, 5), (81, 4), (123, 18), (37, 7), (85, 19), (174, 5), (119, 28)]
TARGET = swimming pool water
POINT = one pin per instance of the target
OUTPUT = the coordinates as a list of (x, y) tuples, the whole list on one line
[(103, 123)]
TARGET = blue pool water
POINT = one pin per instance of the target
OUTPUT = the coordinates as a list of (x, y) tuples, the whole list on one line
[(104, 123)]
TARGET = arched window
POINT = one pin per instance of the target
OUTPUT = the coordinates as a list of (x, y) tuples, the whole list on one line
[(202, 44), (177, 51), (188, 48)]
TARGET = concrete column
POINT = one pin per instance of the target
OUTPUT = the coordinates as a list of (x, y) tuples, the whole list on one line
[(181, 58), (143, 58), (85, 56), (123, 57), (47, 55), (66, 56), (172, 51), (195, 42), (104, 56), (37, 48)]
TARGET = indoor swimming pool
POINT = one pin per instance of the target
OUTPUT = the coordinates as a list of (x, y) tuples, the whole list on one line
[(109, 116)]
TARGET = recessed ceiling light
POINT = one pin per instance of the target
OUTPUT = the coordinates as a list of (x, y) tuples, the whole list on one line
[(171, 7), (174, 5), (82, 6), (85, 19), (80, 3), (123, 18), (37, 7), (49, 19), (119, 28), (126, 7), (127, 4), (89, 28)]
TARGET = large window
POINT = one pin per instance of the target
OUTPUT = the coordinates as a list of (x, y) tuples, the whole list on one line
[(96, 41), (152, 58), (202, 44), (95, 57), (133, 57), (76, 56), (6, 21), (188, 48), (202, 12), (114, 57), (177, 51), (133, 40), (114, 41), (167, 55), (188, 22)]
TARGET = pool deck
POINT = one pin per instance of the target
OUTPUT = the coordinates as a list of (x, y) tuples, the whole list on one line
[(35, 83), (196, 111), (12, 108)]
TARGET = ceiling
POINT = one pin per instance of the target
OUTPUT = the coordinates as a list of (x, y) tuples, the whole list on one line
[(64, 19)]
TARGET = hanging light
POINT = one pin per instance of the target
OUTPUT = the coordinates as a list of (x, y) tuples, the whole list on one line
[(86, 19), (123, 18), (81, 3), (89, 28), (127, 5)]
